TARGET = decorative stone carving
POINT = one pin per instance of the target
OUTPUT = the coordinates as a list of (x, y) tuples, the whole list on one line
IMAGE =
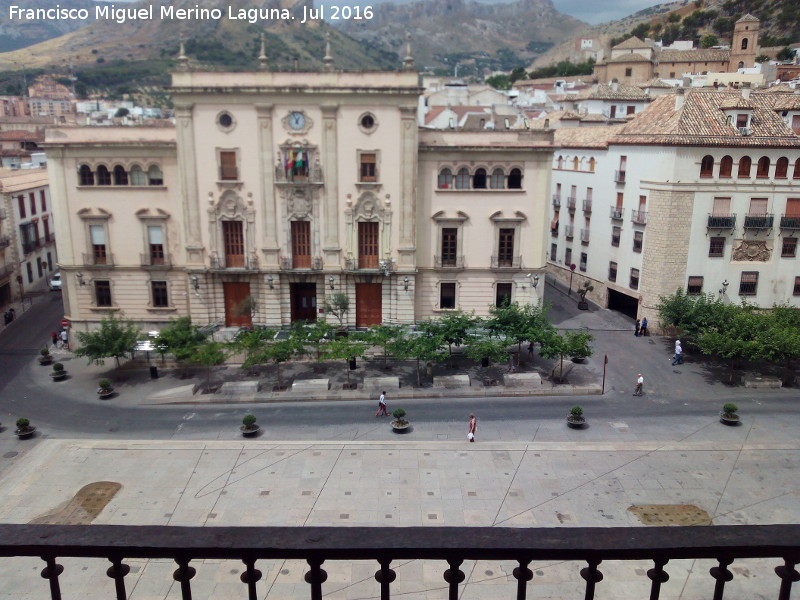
[(299, 205), (752, 251)]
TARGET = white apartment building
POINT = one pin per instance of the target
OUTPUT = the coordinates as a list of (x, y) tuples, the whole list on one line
[(698, 192)]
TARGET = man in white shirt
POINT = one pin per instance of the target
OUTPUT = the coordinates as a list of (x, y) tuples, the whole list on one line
[(639, 384)]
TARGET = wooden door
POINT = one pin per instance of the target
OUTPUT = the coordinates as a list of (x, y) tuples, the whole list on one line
[(369, 310), (304, 301), (368, 245), (237, 311), (301, 245), (233, 234), (505, 253)]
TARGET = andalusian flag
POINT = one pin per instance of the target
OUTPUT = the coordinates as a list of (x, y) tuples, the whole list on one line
[(299, 161)]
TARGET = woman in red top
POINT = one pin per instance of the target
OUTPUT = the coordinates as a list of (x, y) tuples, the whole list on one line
[(473, 425)]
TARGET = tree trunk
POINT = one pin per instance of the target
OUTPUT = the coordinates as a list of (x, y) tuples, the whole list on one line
[(278, 374), (419, 382)]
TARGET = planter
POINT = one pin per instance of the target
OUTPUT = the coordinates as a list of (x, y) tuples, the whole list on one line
[(25, 432), (58, 375), (46, 360), (250, 430), (729, 419), (578, 359), (400, 426), (105, 393), (575, 422), (583, 305)]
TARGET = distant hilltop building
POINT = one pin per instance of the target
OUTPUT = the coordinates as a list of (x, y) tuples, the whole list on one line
[(637, 61)]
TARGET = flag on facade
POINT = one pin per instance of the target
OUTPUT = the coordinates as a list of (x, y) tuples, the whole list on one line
[(299, 161), (290, 162)]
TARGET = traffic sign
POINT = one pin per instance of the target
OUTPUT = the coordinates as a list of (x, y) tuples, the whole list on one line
[(65, 323)]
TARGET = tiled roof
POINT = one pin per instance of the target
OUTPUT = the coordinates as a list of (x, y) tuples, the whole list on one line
[(21, 135), (736, 101), (748, 18), (780, 88), (700, 121), (695, 55), (631, 43), (605, 91), (585, 137), (786, 101), (12, 180), (626, 58), (655, 83)]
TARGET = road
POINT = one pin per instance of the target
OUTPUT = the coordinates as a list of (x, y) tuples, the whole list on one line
[(57, 416)]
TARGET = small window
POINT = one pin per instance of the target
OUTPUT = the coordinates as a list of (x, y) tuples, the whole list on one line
[(616, 232), (462, 179), (137, 176), (568, 257), (716, 247), (630, 110), (592, 163), (612, 271), (725, 166), (748, 285), (21, 205), (32, 201), (479, 179), (102, 292), (368, 171), (445, 179), (707, 166), (781, 167), (789, 248), (447, 295), (628, 71), (744, 43), (582, 263), (367, 121), (159, 289), (796, 172), (85, 175), (742, 120), (576, 164), (553, 252), (227, 167), (43, 200), (638, 238), (503, 295), (155, 177), (695, 286), (515, 179), (225, 120), (498, 180), (762, 170), (796, 290), (120, 175), (634, 279), (744, 167), (30, 272), (103, 175)]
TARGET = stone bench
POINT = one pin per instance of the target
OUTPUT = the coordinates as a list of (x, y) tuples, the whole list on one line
[(381, 383), (238, 387), (311, 385), (762, 382), (522, 380), (183, 391), (451, 381)]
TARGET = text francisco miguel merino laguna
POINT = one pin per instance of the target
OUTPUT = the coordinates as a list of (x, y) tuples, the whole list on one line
[(110, 12)]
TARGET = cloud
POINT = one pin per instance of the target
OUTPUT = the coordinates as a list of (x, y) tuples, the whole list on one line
[(599, 12)]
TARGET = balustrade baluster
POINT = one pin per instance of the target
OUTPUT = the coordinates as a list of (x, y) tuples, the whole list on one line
[(722, 575), (184, 574), (788, 575), (592, 576), (250, 576), (523, 575), (117, 572), (385, 576), (316, 576), (658, 576), (454, 576), (51, 573)]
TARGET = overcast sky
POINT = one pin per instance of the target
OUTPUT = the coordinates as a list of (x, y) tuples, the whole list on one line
[(597, 12)]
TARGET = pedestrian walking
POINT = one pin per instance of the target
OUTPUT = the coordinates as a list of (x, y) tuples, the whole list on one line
[(643, 328), (638, 328), (639, 385), (530, 350), (64, 339), (54, 337), (473, 427), (382, 406), (677, 359)]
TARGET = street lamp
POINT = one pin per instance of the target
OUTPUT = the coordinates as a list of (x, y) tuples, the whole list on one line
[(269, 281), (330, 281), (724, 289), (405, 283), (571, 271)]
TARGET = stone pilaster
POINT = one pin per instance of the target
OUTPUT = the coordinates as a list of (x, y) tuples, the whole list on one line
[(408, 182), (267, 202), (331, 248), (188, 184)]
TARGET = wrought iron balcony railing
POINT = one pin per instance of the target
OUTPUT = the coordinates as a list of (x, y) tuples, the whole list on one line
[(301, 262), (587, 205), (619, 176), (569, 231), (94, 260), (235, 261), (790, 222), (312, 175), (721, 221), (617, 212), (506, 262), (639, 217), (584, 235), (6, 270), (448, 262), (520, 547), (571, 200), (758, 221), (556, 200), (149, 260)]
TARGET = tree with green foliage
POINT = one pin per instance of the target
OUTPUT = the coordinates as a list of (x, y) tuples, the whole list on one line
[(708, 41), (421, 346), (346, 349), (501, 81), (209, 354), (453, 328), (383, 336), (261, 347), (762, 58), (693, 315), (179, 338), (121, 112), (785, 54), (526, 323), (337, 305), (570, 343), (517, 74), (115, 338), (313, 333), (490, 348), (674, 18)]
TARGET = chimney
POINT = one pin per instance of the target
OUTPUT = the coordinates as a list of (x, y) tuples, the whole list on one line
[(746, 93), (679, 98)]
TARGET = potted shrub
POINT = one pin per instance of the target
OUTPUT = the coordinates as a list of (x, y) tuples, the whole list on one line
[(24, 428), (249, 426), (400, 424), (582, 291), (575, 417), (104, 389), (58, 372), (728, 414), (45, 358)]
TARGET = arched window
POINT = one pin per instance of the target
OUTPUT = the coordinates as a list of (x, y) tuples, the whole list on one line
[(85, 175), (575, 164), (796, 174), (707, 166), (741, 65), (762, 170), (120, 175), (781, 167), (560, 162), (462, 179), (154, 176), (591, 165), (103, 175), (137, 176), (445, 179), (725, 166), (498, 179), (479, 179), (515, 179), (744, 167), (744, 43)]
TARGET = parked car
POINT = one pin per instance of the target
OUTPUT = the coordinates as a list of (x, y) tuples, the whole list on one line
[(55, 281)]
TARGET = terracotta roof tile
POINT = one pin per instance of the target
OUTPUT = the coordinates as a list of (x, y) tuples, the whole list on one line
[(585, 137), (631, 43), (748, 18), (606, 91), (626, 58), (695, 55)]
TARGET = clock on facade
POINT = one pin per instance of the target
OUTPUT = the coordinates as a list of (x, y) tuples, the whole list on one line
[(297, 120)]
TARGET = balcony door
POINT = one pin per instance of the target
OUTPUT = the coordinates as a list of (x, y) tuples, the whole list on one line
[(449, 246), (303, 297), (233, 239), (301, 245), (369, 310), (505, 251), (368, 245), (237, 311)]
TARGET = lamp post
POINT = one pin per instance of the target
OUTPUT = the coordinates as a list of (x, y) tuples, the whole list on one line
[(571, 271)]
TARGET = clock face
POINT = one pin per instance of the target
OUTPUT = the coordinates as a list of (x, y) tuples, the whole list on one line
[(297, 120)]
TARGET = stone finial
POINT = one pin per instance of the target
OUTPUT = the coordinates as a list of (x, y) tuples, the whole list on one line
[(262, 57), (183, 60), (408, 61), (328, 59)]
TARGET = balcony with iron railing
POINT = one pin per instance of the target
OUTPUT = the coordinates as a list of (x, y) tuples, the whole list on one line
[(32, 246), (50, 238), (571, 201), (6, 270), (556, 200), (311, 176), (234, 261), (719, 221), (448, 262), (595, 558), (617, 212), (91, 259), (369, 262), (585, 236), (790, 222), (587, 205), (639, 217), (619, 176), (301, 262), (506, 262), (763, 221), (155, 261), (569, 231)]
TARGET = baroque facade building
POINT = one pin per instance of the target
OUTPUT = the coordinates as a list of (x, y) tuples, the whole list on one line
[(697, 192), (276, 191)]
